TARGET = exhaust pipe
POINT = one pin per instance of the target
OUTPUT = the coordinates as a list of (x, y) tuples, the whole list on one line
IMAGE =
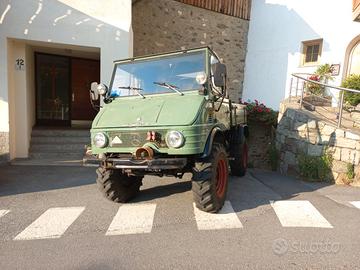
[(144, 152)]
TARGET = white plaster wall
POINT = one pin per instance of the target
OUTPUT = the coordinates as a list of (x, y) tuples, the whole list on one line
[(277, 28), (92, 23)]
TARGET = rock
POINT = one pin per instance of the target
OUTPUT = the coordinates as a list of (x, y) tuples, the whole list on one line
[(339, 166), (312, 124), (328, 130), (355, 116), (299, 126), (342, 179), (352, 136), (339, 133), (290, 158), (315, 150), (336, 153), (348, 155), (345, 143)]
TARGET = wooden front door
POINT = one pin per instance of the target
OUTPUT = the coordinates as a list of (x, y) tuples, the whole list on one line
[(83, 73), (52, 89)]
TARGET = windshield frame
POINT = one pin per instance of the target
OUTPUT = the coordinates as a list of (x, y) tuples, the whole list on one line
[(163, 56)]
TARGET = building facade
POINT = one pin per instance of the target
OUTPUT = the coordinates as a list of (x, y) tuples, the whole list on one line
[(297, 36), (50, 51)]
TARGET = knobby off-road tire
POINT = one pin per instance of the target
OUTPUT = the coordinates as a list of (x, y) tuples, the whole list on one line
[(210, 180), (240, 162), (117, 186)]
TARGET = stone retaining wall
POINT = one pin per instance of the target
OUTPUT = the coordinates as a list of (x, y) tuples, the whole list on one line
[(299, 132), (259, 142)]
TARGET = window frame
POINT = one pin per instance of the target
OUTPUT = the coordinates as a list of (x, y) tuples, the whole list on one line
[(305, 45)]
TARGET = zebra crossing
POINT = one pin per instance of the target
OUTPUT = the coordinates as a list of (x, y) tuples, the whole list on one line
[(138, 218)]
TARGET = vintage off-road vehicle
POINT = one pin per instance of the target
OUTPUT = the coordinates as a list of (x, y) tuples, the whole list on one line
[(168, 114)]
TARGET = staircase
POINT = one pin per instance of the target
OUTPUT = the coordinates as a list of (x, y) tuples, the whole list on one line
[(56, 147)]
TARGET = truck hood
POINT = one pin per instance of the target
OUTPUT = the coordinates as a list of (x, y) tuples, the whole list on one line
[(159, 110)]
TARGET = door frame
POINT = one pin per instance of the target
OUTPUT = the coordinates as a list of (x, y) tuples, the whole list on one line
[(348, 55), (65, 123)]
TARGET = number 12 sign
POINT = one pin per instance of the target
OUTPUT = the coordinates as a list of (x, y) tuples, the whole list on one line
[(19, 64)]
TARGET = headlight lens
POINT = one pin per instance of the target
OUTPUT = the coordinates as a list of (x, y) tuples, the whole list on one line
[(100, 140), (174, 139), (201, 78), (102, 89)]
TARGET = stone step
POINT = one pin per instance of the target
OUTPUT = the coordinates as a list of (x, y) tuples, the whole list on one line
[(60, 133), (60, 139), (56, 147)]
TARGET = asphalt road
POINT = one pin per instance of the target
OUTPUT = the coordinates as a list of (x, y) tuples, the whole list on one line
[(271, 222)]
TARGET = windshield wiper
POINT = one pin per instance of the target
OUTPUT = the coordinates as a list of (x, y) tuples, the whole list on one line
[(136, 89), (169, 86)]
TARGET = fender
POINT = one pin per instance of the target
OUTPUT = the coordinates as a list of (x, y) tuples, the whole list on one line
[(210, 140), (241, 133)]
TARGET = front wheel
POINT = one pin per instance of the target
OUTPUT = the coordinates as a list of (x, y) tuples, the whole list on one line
[(116, 186), (210, 180)]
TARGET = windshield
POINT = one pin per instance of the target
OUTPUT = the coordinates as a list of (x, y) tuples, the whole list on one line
[(154, 76)]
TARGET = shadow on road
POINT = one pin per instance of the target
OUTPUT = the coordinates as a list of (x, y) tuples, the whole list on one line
[(25, 179)]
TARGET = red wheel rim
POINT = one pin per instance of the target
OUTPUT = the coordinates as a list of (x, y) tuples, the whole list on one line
[(221, 178), (245, 156)]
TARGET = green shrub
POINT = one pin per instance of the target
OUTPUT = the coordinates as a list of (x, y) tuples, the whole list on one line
[(315, 168), (352, 82), (350, 173), (323, 75)]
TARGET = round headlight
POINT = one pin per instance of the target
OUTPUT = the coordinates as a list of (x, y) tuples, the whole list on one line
[(102, 89), (174, 139), (201, 78), (100, 140)]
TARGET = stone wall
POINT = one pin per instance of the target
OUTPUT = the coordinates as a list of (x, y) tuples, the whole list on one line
[(4, 147), (261, 136), (299, 132), (163, 25)]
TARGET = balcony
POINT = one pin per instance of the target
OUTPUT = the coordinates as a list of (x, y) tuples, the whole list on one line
[(356, 10)]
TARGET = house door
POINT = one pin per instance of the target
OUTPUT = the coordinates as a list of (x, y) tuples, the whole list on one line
[(62, 89), (52, 89), (83, 73)]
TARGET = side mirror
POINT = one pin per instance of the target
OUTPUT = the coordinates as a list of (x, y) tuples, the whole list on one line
[(94, 92), (219, 71)]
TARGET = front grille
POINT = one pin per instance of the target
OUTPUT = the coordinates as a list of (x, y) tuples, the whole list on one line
[(133, 139)]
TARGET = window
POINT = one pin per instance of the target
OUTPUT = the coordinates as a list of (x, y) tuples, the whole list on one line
[(311, 52)]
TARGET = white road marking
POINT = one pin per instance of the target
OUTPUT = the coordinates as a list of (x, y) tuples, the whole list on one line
[(3, 212), (51, 224), (133, 219), (226, 218), (354, 203), (299, 214)]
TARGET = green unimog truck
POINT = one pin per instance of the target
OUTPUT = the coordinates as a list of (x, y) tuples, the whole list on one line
[(167, 115)]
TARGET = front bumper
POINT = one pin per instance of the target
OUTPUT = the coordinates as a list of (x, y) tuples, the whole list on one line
[(146, 164)]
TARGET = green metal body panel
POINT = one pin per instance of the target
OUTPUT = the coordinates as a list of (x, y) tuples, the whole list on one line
[(130, 118)]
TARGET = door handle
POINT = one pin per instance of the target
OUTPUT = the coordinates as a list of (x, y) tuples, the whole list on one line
[(73, 97)]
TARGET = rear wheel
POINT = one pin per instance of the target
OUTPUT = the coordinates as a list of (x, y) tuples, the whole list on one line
[(210, 180), (240, 159), (117, 186)]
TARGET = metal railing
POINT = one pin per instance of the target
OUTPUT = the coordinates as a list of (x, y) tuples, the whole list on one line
[(301, 85)]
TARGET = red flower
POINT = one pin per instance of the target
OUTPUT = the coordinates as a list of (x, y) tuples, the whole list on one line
[(259, 110), (267, 110)]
